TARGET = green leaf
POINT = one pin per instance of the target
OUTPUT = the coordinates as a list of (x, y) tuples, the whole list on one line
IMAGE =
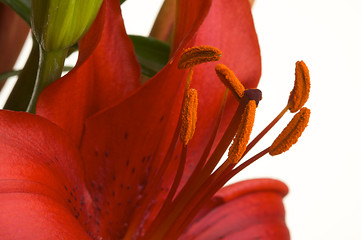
[(21, 7), (121, 1), (152, 54)]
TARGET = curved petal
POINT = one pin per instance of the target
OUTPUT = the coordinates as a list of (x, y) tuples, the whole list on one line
[(250, 209), (42, 193), (107, 70), (125, 144)]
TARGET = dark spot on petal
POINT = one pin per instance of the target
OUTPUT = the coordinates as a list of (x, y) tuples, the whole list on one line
[(69, 201), (66, 188), (127, 163), (143, 159), (106, 154), (133, 169), (113, 193), (128, 187), (125, 135), (161, 119)]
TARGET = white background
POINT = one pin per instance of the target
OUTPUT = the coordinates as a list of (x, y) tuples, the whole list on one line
[(323, 171)]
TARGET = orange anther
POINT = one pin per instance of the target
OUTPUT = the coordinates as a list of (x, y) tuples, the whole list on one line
[(243, 133), (291, 133), (230, 80), (300, 93), (197, 55), (189, 116)]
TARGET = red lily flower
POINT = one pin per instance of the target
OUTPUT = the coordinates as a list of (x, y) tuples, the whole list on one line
[(96, 164)]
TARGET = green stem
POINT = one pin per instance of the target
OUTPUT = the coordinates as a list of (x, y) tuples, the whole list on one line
[(50, 68)]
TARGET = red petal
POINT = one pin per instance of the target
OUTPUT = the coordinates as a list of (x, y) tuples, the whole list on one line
[(107, 70), (42, 193), (228, 27), (250, 209), (120, 144)]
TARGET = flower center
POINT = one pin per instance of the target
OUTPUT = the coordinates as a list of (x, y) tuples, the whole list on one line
[(183, 202)]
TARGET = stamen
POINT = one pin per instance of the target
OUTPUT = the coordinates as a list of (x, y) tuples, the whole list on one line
[(300, 93), (291, 133), (189, 116), (243, 133), (230, 80), (197, 55)]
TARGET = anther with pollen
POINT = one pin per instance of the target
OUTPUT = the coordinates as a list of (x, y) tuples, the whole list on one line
[(197, 55), (301, 90), (291, 133), (189, 116), (230, 80), (243, 133)]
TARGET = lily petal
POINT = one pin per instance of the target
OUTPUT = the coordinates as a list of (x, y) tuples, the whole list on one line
[(124, 145), (250, 209), (42, 193), (107, 70)]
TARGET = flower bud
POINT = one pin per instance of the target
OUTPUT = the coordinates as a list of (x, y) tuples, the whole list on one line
[(59, 24)]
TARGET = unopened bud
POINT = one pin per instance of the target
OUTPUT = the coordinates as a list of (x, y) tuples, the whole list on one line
[(59, 24)]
